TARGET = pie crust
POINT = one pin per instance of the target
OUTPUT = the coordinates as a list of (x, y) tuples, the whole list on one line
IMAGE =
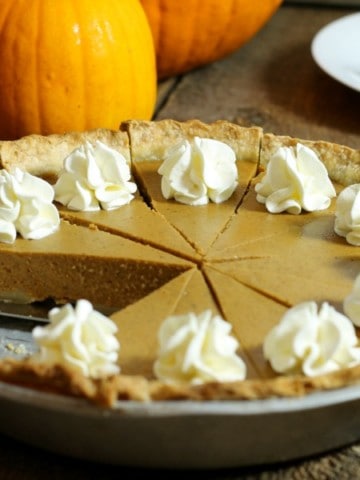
[(341, 162), (44, 155)]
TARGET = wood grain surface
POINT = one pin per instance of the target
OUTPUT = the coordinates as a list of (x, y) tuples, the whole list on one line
[(272, 82)]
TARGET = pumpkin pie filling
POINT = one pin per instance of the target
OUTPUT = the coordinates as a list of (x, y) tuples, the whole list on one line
[(77, 262), (138, 222), (237, 259)]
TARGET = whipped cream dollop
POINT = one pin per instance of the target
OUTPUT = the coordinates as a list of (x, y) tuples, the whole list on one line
[(312, 341), (26, 207), (94, 177), (197, 349), (351, 304), (347, 214), (295, 179), (194, 173), (81, 338)]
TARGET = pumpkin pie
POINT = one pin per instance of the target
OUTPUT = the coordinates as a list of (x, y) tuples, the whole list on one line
[(155, 258)]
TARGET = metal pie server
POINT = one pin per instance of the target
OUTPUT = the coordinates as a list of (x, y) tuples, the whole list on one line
[(19, 311), (38, 312)]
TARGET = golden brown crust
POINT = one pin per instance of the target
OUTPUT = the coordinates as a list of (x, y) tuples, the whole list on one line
[(158, 136), (61, 380), (105, 392), (42, 377), (342, 163), (44, 155)]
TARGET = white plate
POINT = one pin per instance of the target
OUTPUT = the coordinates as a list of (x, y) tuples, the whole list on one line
[(183, 434), (336, 49)]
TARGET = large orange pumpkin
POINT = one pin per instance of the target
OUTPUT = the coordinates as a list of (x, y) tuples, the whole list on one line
[(191, 33), (74, 65)]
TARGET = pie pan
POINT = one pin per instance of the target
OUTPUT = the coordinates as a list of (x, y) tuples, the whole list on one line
[(183, 434), (175, 434)]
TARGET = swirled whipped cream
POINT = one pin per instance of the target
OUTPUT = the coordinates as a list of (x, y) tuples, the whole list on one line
[(347, 214), (95, 177), (312, 341), (197, 349), (26, 207), (295, 179), (351, 303), (81, 338), (194, 173)]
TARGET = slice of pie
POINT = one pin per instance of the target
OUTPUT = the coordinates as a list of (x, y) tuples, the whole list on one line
[(77, 262), (138, 324), (136, 221), (251, 314), (149, 143)]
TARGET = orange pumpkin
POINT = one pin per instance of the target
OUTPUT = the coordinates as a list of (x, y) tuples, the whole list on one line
[(74, 65), (191, 33)]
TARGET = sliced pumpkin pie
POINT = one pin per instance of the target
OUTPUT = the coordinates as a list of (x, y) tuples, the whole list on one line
[(245, 264)]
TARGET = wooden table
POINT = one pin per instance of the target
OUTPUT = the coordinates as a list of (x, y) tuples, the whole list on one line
[(272, 82)]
